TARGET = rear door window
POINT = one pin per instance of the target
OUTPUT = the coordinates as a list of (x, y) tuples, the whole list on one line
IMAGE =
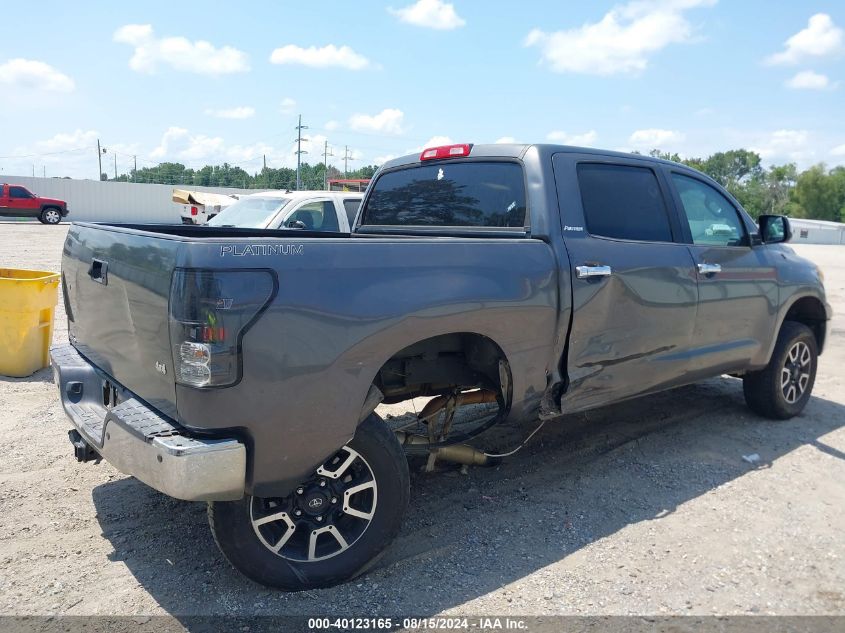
[(472, 193), (623, 202), (315, 216), (351, 207)]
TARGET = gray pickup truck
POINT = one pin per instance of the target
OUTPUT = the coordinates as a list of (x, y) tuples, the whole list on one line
[(243, 366)]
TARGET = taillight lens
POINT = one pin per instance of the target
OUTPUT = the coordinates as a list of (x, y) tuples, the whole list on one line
[(194, 211), (209, 313)]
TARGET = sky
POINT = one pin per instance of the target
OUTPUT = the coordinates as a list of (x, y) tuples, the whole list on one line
[(213, 82)]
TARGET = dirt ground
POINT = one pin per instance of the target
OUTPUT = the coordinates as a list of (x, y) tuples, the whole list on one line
[(642, 508)]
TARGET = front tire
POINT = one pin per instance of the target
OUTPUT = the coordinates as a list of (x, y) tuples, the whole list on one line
[(782, 389), (331, 528), (50, 215)]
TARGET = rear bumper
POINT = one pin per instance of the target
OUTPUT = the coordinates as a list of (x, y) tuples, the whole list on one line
[(139, 441)]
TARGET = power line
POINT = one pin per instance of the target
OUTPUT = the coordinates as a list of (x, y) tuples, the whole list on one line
[(326, 164), (346, 158), (299, 151)]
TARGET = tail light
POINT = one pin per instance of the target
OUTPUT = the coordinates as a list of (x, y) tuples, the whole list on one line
[(446, 151), (209, 313), (194, 211)]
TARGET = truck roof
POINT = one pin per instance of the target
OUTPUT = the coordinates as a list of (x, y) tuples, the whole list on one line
[(275, 193), (517, 150)]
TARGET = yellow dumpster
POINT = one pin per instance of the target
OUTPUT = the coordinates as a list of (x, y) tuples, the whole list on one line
[(27, 301)]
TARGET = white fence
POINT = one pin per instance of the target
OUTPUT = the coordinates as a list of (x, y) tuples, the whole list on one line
[(817, 231), (94, 201)]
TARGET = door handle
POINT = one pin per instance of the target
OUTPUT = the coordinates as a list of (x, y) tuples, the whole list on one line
[(99, 271), (587, 272), (709, 269)]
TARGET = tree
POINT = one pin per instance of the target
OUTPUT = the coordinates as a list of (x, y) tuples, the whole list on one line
[(820, 195)]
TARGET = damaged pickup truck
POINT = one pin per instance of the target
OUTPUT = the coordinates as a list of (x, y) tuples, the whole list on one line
[(243, 367)]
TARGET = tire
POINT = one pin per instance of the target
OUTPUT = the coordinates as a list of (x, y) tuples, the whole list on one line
[(782, 389), (247, 529), (50, 215)]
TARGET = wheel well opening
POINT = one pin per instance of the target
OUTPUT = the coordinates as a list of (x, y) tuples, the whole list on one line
[(811, 313), (442, 364)]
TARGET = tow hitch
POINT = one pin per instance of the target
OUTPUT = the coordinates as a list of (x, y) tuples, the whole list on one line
[(82, 450)]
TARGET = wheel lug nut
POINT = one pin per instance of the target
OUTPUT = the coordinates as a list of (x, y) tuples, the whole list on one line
[(323, 483), (334, 499), (298, 512), (319, 519), (299, 491)]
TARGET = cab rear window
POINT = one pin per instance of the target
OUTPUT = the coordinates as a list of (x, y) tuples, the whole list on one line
[(482, 194)]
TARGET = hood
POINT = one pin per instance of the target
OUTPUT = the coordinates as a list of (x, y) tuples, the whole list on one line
[(56, 201)]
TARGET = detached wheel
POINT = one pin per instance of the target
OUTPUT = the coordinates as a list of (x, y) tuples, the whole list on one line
[(331, 528), (783, 388), (50, 216)]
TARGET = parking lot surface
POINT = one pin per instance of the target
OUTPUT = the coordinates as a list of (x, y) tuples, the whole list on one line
[(647, 507)]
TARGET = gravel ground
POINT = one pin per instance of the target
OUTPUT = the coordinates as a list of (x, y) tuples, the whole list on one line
[(641, 508)]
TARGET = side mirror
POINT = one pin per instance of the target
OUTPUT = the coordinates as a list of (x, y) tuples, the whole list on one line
[(774, 229), (295, 224)]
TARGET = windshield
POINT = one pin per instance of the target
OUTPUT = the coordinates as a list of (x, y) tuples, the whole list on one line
[(252, 212)]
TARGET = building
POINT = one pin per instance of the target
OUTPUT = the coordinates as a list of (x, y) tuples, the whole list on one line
[(817, 231)]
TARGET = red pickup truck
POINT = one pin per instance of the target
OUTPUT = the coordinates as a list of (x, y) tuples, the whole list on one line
[(18, 201)]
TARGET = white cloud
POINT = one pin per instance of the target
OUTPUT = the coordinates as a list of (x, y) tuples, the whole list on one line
[(655, 138), (808, 80), (178, 52), (587, 139), (821, 38), (325, 57), (388, 121), (28, 73), (839, 150), (433, 14), (381, 160), (239, 112), (434, 141), (785, 145), (287, 105), (197, 150), (331, 125), (621, 42), (506, 140), (705, 112), (63, 142)]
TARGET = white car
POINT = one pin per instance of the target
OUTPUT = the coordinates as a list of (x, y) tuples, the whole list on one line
[(307, 210)]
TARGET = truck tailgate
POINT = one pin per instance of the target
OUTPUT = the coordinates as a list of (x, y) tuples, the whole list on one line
[(117, 287)]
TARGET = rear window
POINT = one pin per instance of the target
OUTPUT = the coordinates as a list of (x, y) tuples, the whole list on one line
[(623, 202), (483, 194)]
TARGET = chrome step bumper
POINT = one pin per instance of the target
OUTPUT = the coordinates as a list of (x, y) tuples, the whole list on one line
[(138, 441)]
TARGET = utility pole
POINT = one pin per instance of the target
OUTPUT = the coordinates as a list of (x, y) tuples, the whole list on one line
[(346, 158), (135, 170), (44, 167), (99, 161), (115, 166), (299, 151), (326, 155), (33, 170)]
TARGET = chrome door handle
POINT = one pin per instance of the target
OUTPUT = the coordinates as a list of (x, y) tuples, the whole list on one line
[(709, 269), (586, 272)]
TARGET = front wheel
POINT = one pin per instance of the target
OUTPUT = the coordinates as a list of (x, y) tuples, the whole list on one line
[(331, 527), (50, 216), (781, 389)]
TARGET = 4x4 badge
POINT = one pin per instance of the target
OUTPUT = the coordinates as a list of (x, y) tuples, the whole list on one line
[(161, 368)]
